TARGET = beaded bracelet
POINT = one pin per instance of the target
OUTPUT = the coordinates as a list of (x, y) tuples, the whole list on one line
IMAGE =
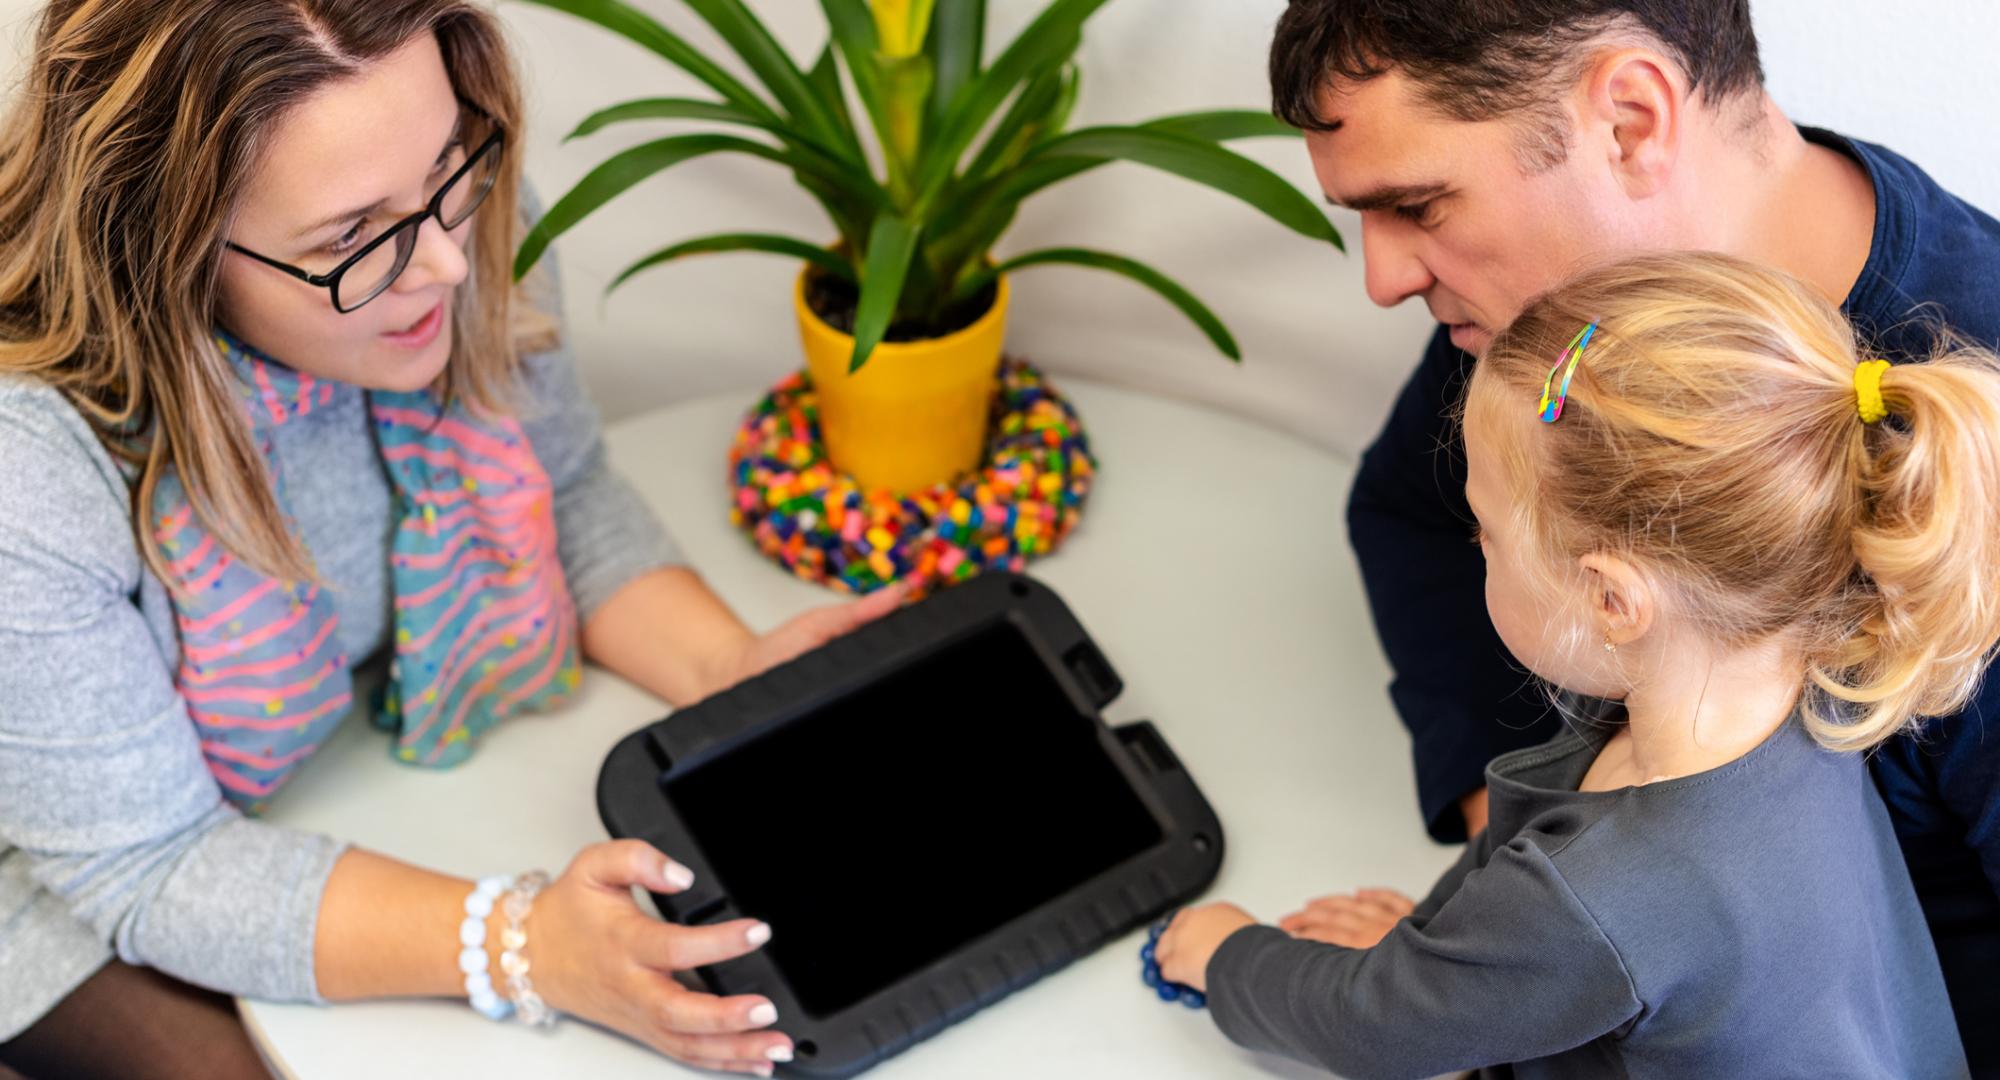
[(1149, 972), (472, 958), (528, 1005)]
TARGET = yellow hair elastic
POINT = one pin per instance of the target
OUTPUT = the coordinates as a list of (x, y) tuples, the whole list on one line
[(1868, 389)]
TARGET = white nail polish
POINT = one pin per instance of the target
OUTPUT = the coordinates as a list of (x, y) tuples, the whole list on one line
[(758, 934), (678, 876), (779, 1053), (766, 1013)]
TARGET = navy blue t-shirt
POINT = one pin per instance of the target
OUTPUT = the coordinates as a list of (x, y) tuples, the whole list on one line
[(1933, 261)]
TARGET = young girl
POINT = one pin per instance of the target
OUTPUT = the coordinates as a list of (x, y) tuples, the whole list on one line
[(1772, 554), (280, 439)]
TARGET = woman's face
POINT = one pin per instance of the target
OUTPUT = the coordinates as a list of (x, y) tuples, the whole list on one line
[(341, 169)]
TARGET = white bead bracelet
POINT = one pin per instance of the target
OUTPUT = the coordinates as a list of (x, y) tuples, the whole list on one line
[(472, 958)]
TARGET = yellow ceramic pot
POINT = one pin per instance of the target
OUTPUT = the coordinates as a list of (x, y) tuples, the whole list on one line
[(915, 414)]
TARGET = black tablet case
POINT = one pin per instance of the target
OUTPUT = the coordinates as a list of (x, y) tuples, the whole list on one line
[(634, 801)]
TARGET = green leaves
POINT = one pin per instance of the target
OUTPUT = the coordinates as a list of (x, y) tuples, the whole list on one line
[(956, 165), (1204, 163), (825, 260), (891, 245), (957, 47), (643, 29), (618, 175), (1046, 43), (851, 31), (668, 109), (825, 80), (1145, 275), (1033, 115), (1223, 125), (761, 52)]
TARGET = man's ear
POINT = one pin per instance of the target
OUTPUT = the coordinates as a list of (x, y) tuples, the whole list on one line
[(1632, 112), (1622, 599)]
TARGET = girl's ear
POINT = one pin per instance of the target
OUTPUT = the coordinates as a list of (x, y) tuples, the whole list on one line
[(1622, 599)]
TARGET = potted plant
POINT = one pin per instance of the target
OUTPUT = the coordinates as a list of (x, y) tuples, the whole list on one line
[(903, 315)]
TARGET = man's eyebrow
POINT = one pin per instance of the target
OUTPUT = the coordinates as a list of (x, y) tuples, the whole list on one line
[(1386, 198), (457, 130)]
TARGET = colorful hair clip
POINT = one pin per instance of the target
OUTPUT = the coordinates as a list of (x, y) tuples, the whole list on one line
[(1551, 407)]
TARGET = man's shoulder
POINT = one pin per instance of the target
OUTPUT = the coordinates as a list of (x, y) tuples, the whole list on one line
[(1933, 259)]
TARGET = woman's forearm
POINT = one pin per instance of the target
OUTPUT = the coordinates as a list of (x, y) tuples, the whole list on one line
[(669, 633), (389, 929)]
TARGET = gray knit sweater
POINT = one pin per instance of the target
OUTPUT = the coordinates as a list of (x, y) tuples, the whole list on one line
[(113, 836)]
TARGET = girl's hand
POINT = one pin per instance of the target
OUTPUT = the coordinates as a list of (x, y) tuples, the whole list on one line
[(1191, 940), (597, 956), (809, 631), (1358, 921)]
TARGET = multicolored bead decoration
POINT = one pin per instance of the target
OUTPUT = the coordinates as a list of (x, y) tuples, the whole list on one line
[(1021, 503), (1149, 972)]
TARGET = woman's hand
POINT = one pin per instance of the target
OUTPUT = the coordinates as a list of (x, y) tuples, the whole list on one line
[(1359, 920), (809, 631), (669, 633), (597, 956), (1191, 940)]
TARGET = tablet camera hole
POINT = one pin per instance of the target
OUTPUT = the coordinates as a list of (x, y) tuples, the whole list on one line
[(805, 1048), (1019, 588)]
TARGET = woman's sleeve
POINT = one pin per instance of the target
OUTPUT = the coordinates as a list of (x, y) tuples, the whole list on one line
[(605, 535), (106, 789), (1510, 967)]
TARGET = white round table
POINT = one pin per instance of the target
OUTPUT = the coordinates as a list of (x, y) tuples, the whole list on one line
[(1212, 567)]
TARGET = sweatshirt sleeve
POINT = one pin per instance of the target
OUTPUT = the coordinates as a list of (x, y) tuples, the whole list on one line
[(1511, 967), (107, 793)]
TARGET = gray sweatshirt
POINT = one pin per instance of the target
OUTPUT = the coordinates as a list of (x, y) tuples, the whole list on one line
[(113, 836), (1752, 920)]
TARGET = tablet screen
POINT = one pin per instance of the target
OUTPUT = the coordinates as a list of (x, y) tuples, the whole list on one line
[(902, 821)]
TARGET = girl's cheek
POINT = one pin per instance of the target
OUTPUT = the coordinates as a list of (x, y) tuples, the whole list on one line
[(1523, 627)]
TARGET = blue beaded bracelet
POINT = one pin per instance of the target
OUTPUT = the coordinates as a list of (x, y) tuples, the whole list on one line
[(472, 958), (1149, 972)]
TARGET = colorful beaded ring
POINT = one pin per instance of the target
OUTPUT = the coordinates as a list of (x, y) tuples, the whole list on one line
[(1149, 972), (1023, 500)]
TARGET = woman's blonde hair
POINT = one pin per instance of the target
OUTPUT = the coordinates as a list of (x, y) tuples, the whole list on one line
[(1712, 435), (122, 163)]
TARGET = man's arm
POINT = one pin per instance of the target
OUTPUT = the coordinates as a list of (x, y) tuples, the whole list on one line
[(1463, 698)]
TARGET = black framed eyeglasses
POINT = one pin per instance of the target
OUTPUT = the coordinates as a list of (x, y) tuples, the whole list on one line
[(367, 273)]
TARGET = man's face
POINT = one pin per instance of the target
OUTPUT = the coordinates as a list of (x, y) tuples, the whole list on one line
[(1449, 214)]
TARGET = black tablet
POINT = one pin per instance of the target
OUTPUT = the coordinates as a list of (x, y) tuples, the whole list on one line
[(930, 813)]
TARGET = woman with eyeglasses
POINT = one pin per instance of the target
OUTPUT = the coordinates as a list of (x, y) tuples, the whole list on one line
[(281, 440)]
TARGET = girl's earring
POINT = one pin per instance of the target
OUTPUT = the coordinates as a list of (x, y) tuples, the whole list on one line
[(1609, 645)]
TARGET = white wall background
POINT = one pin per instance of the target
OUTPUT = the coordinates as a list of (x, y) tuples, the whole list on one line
[(1918, 76)]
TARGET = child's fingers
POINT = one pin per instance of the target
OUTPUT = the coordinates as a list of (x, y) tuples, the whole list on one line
[(1341, 921), (1375, 906), (1389, 898), (1346, 918), (1333, 934)]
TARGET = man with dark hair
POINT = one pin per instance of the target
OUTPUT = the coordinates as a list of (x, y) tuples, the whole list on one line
[(1493, 147)]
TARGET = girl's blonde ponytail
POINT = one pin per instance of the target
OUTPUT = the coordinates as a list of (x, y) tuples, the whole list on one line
[(1923, 610)]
